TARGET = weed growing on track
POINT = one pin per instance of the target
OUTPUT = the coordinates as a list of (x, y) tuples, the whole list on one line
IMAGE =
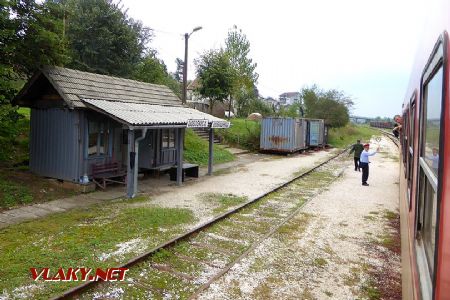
[(223, 201)]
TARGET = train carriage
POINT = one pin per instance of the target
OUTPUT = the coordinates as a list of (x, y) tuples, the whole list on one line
[(425, 165)]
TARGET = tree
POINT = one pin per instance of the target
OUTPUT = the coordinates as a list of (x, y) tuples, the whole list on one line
[(216, 76), (153, 70), (31, 36), (237, 48), (332, 106), (103, 39), (178, 75)]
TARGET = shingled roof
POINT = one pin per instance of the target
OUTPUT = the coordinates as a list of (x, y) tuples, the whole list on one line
[(73, 86)]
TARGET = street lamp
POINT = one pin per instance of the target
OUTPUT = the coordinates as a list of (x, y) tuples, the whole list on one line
[(186, 38)]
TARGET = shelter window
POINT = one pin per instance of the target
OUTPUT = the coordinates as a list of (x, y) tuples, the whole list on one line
[(168, 138), (98, 138)]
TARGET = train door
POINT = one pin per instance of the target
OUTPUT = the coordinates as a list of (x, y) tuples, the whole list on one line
[(430, 166)]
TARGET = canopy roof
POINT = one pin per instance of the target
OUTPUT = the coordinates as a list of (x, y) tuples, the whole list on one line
[(142, 114)]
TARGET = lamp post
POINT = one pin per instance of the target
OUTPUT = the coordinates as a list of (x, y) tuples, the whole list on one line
[(186, 38)]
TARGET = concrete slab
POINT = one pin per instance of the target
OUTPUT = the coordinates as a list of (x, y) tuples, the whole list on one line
[(40, 212), (49, 207), (237, 151), (18, 215)]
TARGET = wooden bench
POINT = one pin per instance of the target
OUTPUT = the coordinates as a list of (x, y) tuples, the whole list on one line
[(189, 170), (109, 172)]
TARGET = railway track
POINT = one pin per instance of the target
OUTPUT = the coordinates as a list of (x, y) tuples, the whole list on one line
[(185, 266), (391, 137)]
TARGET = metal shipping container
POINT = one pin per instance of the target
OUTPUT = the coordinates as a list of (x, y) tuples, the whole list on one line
[(316, 133), (283, 134)]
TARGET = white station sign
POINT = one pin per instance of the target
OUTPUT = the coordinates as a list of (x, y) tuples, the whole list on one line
[(193, 123), (220, 124)]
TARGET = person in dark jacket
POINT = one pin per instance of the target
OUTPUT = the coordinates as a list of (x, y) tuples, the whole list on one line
[(357, 148)]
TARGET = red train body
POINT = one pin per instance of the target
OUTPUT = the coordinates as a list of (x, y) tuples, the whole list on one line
[(425, 165)]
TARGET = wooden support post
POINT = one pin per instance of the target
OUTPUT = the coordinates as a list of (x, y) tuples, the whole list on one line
[(211, 151)]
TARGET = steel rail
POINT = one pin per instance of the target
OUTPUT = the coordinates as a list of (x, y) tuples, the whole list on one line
[(77, 290)]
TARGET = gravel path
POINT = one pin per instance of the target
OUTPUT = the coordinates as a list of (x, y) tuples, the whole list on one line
[(244, 180), (340, 247)]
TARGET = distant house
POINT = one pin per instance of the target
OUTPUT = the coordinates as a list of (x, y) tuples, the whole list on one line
[(194, 100), (289, 98), (271, 101), (83, 122)]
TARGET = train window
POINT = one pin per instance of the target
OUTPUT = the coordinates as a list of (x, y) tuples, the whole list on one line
[(432, 121), (410, 150), (430, 136), (404, 139)]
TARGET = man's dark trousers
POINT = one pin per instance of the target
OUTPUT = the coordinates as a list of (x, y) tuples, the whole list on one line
[(365, 171), (356, 163)]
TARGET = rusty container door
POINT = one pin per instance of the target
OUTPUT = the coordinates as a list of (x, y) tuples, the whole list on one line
[(281, 135)]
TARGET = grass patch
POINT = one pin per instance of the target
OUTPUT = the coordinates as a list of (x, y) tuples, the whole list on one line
[(295, 226), (344, 136), (196, 150), (320, 262), (22, 187), (82, 237), (242, 133), (370, 290), (390, 215), (387, 241), (222, 201), (12, 194)]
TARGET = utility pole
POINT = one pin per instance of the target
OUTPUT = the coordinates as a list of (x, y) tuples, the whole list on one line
[(186, 39)]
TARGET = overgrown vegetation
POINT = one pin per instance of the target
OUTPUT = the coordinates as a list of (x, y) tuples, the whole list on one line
[(14, 132), (242, 134), (223, 201), (196, 150), (91, 237), (344, 136), (12, 193)]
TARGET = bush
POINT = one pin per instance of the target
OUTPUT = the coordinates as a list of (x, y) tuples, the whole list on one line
[(242, 134), (14, 128), (196, 150), (342, 137)]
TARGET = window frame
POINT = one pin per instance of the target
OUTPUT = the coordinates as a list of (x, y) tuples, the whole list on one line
[(410, 151), (436, 61), (104, 128), (170, 135)]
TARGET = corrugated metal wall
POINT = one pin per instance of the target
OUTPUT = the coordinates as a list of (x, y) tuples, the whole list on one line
[(54, 143), (316, 132), (282, 134)]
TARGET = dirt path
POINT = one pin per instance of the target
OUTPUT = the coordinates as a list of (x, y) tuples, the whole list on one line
[(344, 245)]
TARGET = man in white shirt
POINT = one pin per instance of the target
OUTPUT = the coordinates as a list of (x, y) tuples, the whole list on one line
[(364, 163)]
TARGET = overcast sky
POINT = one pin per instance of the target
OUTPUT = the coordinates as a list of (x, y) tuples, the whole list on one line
[(364, 48)]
